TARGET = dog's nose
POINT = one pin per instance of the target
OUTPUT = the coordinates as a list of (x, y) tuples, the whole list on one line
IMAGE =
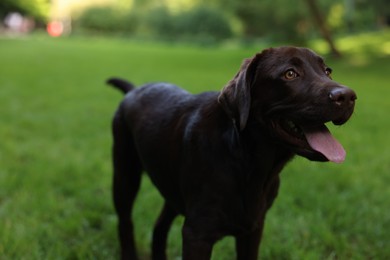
[(342, 96)]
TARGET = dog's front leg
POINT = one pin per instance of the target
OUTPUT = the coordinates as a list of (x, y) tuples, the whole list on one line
[(197, 243), (247, 246)]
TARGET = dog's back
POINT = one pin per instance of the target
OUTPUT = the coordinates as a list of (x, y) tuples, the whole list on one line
[(160, 119)]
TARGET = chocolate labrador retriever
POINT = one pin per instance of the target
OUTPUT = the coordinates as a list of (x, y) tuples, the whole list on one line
[(215, 157)]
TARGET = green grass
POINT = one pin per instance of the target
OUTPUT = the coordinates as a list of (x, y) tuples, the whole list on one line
[(55, 169)]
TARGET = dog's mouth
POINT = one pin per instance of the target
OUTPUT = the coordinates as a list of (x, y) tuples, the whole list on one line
[(313, 141)]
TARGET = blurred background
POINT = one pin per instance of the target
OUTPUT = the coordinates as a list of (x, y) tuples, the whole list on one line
[(198, 20), (55, 112)]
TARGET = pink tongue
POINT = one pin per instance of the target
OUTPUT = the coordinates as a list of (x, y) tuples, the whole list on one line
[(321, 140)]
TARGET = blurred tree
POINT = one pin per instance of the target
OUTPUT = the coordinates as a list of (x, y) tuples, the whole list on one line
[(272, 20), (146, 4), (200, 24), (275, 19), (349, 13), (38, 9), (282, 19), (381, 9), (319, 19), (358, 15)]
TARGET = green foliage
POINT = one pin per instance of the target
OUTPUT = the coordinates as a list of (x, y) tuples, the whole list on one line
[(159, 21), (55, 174), (278, 19), (213, 20), (203, 22), (381, 8), (39, 9), (198, 24), (106, 20), (292, 21)]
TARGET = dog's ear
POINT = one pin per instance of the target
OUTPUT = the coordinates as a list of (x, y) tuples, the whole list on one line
[(235, 97)]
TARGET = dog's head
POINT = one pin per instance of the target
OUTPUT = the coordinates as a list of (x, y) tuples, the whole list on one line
[(290, 91)]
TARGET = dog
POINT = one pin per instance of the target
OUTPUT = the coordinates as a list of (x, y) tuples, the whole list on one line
[(215, 157)]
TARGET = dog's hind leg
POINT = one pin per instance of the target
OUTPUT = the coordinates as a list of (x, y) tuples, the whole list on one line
[(160, 232), (126, 182)]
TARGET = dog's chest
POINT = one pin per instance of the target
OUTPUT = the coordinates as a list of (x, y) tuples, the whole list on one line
[(257, 189)]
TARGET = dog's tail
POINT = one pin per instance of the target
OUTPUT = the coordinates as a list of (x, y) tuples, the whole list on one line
[(121, 84)]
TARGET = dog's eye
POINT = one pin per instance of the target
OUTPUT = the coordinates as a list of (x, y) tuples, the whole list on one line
[(328, 71), (290, 74)]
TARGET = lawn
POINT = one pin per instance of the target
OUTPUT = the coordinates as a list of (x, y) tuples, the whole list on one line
[(55, 168)]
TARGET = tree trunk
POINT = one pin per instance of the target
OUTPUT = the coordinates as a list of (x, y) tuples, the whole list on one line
[(319, 20)]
